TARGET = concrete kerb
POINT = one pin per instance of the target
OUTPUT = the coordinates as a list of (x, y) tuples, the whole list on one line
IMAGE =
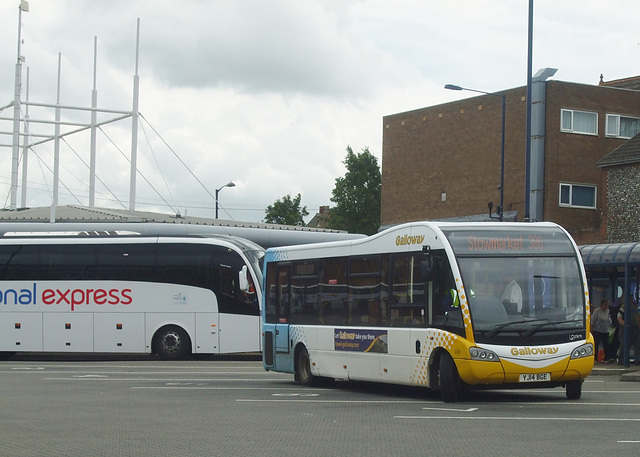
[(627, 374)]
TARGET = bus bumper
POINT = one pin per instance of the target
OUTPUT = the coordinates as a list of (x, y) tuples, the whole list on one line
[(504, 372)]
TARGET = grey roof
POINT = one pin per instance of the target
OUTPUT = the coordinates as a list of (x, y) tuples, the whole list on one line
[(626, 154), (632, 83), (508, 216), (85, 218), (73, 213), (610, 254)]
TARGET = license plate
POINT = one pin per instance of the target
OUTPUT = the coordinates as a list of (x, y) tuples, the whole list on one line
[(535, 377)]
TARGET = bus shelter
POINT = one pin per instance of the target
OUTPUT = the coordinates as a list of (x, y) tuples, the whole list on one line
[(613, 272)]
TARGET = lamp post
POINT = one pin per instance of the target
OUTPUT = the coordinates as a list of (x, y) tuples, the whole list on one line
[(229, 184), (502, 96)]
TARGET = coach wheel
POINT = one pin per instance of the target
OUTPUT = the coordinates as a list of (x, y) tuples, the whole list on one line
[(574, 390), (449, 379), (172, 343)]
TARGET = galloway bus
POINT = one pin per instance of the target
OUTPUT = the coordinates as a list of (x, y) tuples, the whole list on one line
[(448, 306), (84, 291)]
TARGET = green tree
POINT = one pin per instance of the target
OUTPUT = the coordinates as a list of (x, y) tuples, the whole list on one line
[(357, 194), (286, 211)]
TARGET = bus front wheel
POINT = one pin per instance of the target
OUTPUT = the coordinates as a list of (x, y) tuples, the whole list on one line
[(172, 343), (449, 379), (574, 390)]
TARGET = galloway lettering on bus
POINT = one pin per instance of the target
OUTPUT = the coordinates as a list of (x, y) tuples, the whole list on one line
[(534, 351), (406, 239), (70, 297), (360, 340)]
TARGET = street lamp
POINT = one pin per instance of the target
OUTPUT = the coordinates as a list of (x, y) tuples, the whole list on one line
[(229, 184), (501, 208)]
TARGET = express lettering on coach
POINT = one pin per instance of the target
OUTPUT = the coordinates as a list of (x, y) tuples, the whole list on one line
[(68, 297)]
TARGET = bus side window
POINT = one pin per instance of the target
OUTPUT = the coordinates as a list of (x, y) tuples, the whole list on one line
[(408, 301), (23, 263), (123, 262), (333, 291), (364, 291), (304, 293), (226, 268), (271, 286), (282, 294)]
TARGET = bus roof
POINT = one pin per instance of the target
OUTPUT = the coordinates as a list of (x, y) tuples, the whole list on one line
[(264, 237), (438, 229)]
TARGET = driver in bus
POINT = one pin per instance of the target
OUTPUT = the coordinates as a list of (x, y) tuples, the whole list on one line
[(451, 299), (512, 293)]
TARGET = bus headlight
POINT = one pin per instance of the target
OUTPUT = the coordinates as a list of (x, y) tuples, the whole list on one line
[(586, 350), (483, 354)]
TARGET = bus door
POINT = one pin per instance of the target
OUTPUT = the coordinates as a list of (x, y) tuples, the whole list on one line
[(276, 327)]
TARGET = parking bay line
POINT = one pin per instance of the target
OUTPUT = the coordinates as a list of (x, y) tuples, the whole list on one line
[(315, 400), (92, 378), (510, 418)]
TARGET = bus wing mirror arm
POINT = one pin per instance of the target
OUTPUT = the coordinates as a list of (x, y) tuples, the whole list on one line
[(243, 282)]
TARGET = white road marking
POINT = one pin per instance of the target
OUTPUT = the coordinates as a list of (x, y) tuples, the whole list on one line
[(503, 418)]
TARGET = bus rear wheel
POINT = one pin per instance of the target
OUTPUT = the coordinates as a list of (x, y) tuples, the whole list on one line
[(449, 379), (574, 390), (303, 369), (172, 343)]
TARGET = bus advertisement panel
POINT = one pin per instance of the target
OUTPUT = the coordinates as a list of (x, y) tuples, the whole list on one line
[(449, 306)]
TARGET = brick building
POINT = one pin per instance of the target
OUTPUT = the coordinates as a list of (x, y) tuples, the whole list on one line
[(443, 161), (622, 168)]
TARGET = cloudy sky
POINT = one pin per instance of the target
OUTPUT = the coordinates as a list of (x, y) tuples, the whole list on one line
[(269, 93)]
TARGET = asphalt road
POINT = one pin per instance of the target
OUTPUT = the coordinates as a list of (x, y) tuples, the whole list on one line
[(225, 407)]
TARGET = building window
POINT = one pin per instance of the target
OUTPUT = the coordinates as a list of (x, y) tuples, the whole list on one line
[(578, 195), (573, 121), (622, 126)]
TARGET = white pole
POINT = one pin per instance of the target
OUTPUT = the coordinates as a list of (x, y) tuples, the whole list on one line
[(56, 147), (134, 128), (94, 119), (25, 149), (16, 118)]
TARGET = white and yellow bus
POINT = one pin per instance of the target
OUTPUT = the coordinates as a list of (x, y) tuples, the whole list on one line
[(448, 306)]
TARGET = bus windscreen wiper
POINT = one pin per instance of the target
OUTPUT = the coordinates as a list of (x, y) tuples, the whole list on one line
[(537, 328), (498, 327)]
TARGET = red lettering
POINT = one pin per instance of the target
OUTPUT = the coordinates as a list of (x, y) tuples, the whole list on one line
[(48, 297), (77, 298), (114, 298), (63, 297), (126, 297), (100, 297), (74, 297)]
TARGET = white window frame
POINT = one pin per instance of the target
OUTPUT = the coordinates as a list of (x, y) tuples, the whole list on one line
[(570, 203), (572, 128), (613, 125)]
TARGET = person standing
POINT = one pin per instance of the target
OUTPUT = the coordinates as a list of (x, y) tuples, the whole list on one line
[(634, 332), (600, 323)]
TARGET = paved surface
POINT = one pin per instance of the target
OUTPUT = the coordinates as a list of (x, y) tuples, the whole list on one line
[(140, 406), (627, 374)]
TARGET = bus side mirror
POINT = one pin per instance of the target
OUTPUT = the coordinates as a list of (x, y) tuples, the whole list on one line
[(243, 281), (426, 271)]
